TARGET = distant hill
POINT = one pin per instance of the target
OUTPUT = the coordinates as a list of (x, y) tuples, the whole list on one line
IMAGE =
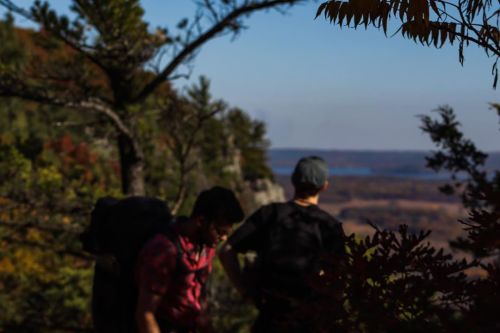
[(378, 162)]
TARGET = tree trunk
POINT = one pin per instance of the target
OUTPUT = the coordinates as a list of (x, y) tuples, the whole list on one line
[(132, 166)]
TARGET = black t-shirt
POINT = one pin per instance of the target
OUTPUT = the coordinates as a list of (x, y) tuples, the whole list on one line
[(252, 235), (284, 264)]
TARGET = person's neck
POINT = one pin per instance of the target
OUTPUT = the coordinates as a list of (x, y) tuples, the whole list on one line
[(306, 201)]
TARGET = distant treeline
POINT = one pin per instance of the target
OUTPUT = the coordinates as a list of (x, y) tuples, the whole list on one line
[(378, 161)]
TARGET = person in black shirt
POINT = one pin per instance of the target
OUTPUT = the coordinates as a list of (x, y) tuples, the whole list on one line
[(290, 241)]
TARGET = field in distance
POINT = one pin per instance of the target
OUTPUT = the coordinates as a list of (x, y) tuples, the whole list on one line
[(389, 202)]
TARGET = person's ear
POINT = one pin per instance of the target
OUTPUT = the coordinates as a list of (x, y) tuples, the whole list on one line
[(325, 186)]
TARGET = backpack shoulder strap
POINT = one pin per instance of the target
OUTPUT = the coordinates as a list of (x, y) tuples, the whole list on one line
[(169, 232), (173, 236)]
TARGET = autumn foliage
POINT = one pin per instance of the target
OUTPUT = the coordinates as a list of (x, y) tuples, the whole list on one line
[(429, 22)]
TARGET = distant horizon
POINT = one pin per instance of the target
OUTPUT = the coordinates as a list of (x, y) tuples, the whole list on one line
[(381, 150), (354, 162)]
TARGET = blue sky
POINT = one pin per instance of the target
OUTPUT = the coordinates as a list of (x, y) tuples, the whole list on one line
[(319, 86)]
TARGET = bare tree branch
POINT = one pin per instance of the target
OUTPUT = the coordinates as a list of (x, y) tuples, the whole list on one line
[(94, 104), (220, 26), (16, 9), (14, 87), (182, 149)]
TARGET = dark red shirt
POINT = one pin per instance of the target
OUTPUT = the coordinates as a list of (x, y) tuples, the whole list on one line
[(179, 280)]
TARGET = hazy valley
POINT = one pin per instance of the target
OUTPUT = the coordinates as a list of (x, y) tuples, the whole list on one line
[(385, 188)]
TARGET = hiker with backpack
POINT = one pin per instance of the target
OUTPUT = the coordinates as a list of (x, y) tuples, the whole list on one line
[(155, 280), (290, 240)]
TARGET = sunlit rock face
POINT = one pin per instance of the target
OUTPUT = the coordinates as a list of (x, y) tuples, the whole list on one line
[(253, 193), (260, 192), (266, 191)]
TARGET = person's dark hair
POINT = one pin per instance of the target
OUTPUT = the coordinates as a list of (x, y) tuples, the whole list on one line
[(304, 190), (218, 203)]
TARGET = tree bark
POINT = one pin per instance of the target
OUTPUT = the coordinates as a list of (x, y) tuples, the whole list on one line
[(131, 166)]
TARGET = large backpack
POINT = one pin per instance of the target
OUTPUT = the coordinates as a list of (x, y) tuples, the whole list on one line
[(296, 239), (118, 230)]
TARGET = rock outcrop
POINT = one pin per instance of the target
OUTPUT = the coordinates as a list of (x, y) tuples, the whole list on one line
[(266, 191), (260, 192)]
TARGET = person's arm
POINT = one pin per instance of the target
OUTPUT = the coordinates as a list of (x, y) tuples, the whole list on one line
[(147, 303), (241, 241), (246, 238), (229, 260), (156, 264)]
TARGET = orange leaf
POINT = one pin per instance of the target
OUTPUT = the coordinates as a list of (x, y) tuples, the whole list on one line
[(435, 36), (402, 10), (434, 7), (395, 6), (320, 9), (444, 33), (342, 12), (452, 27)]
